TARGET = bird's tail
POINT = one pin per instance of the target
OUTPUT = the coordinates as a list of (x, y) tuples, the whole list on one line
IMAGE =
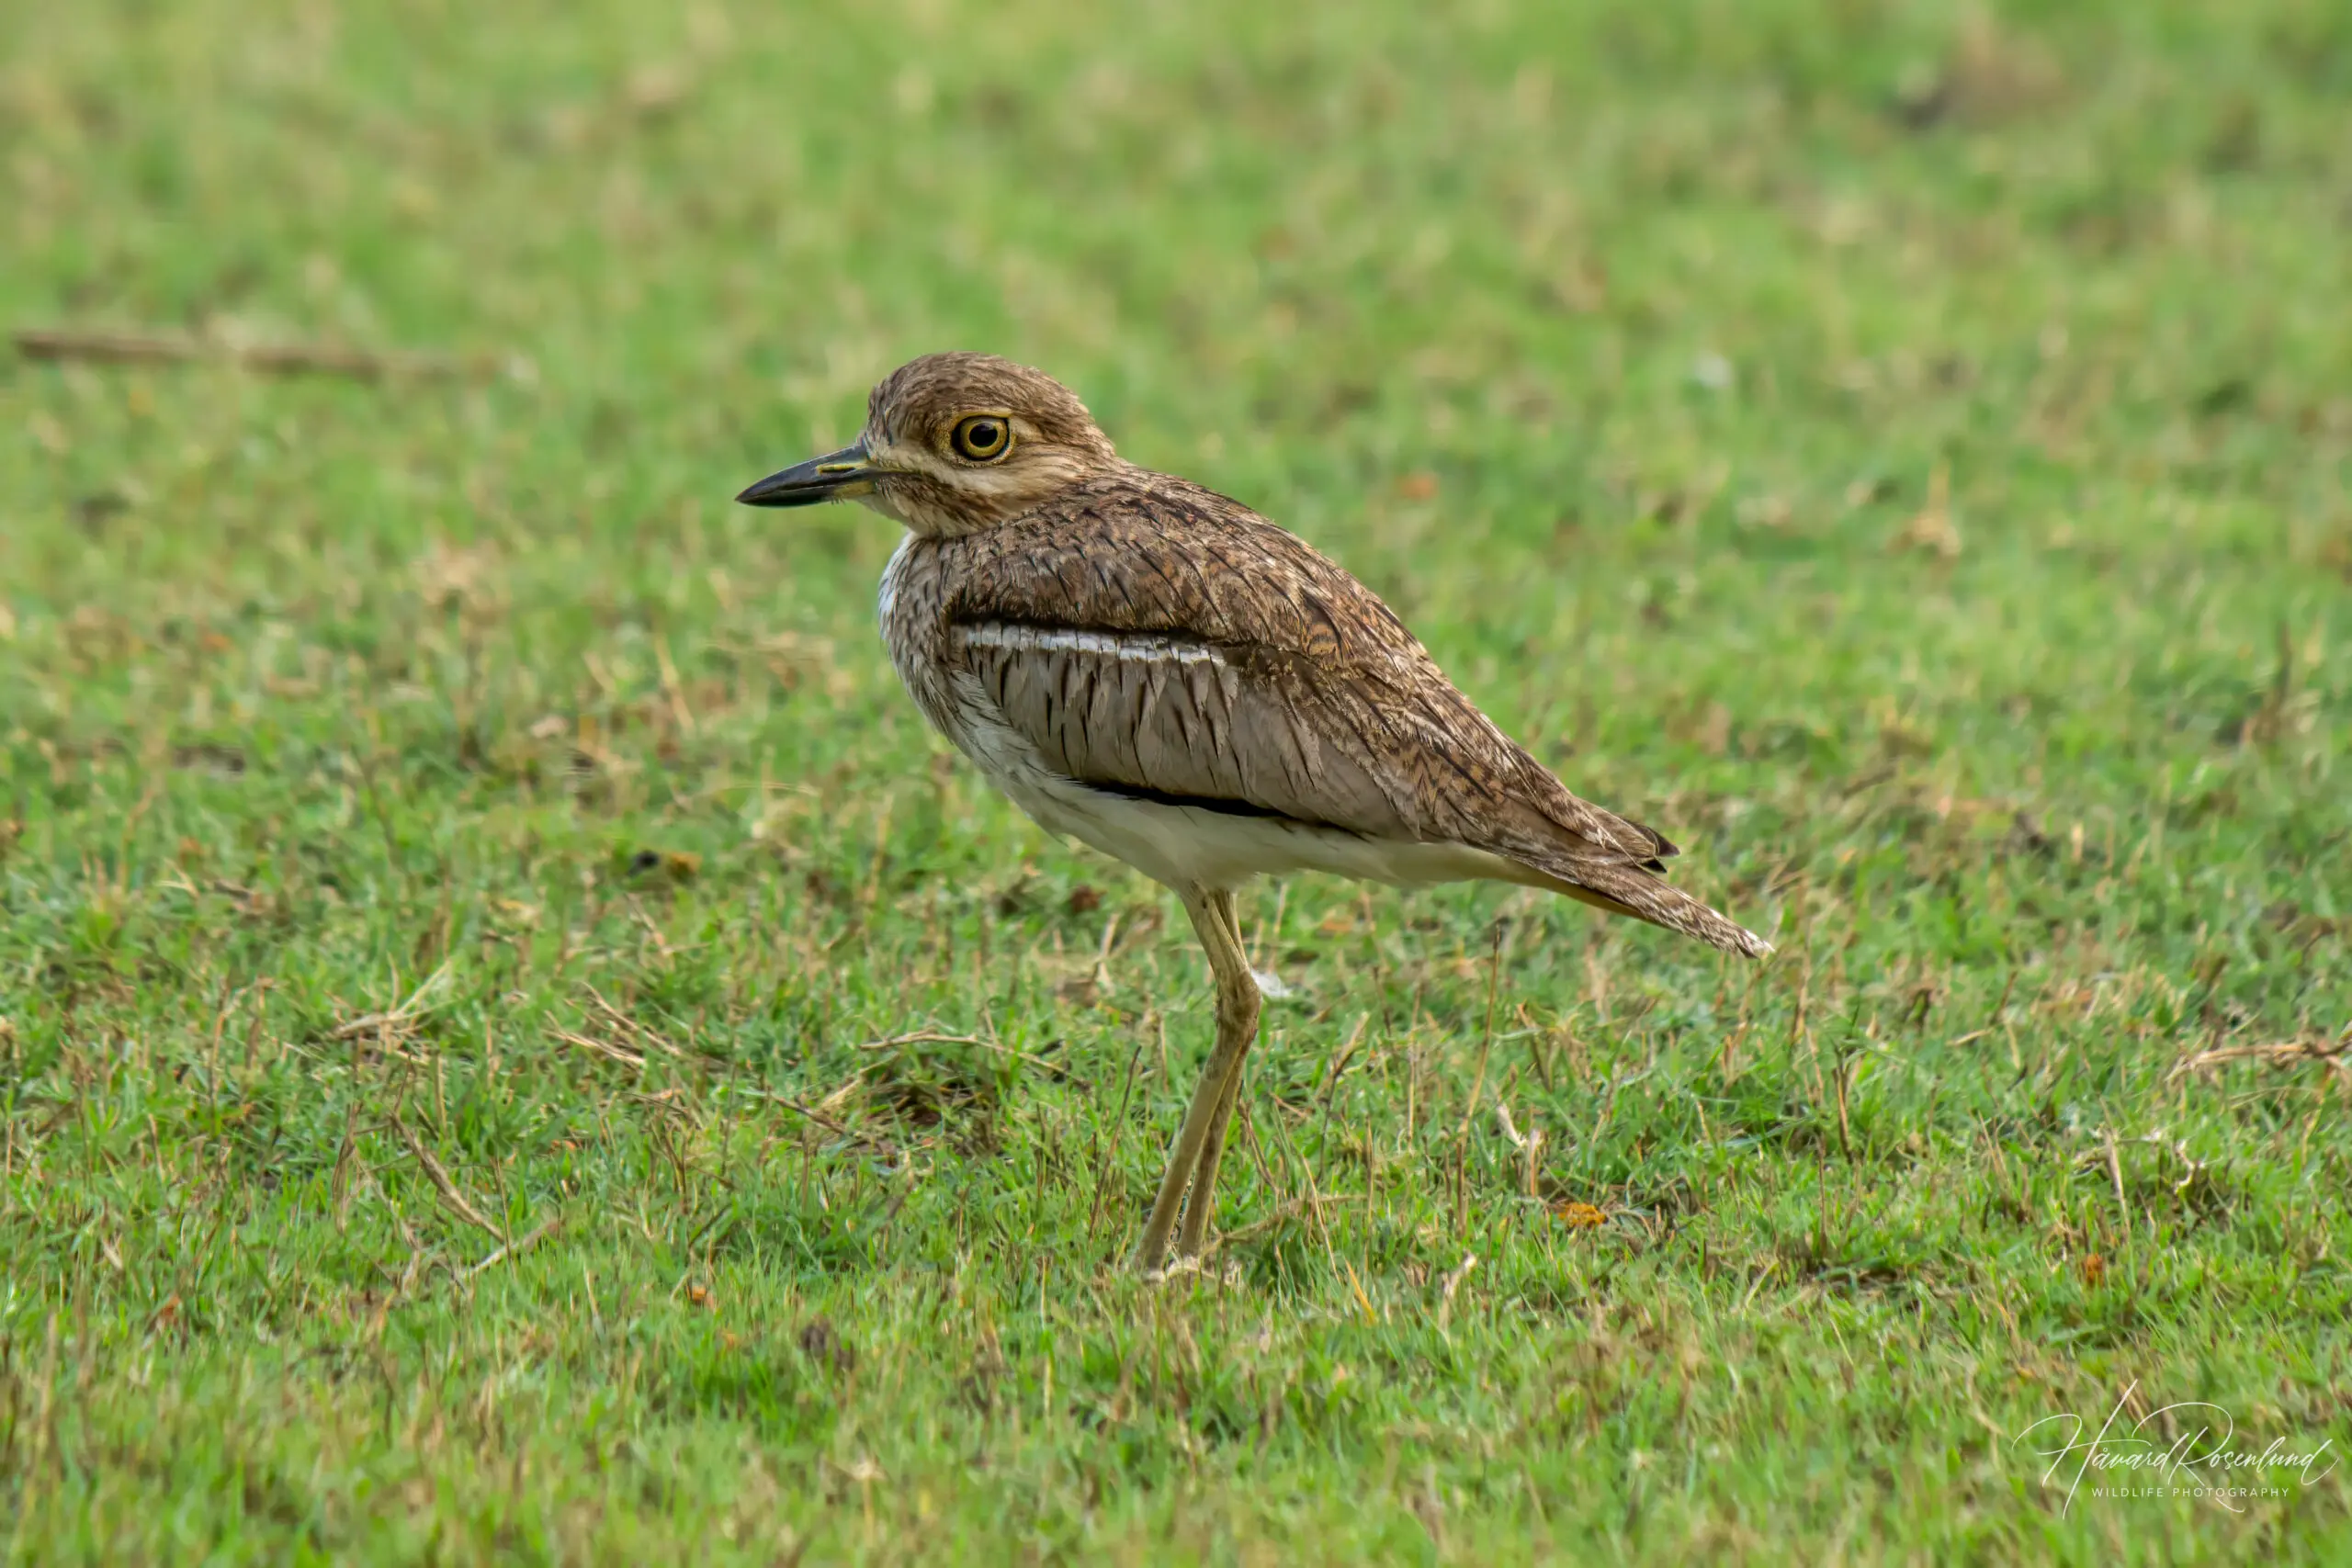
[(1631, 890)]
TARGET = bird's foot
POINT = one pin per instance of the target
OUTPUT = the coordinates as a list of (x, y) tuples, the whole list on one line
[(1175, 1268)]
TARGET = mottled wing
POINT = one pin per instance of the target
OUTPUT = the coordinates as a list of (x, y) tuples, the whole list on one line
[(1151, 633), (1171, 717), (1156, 639)]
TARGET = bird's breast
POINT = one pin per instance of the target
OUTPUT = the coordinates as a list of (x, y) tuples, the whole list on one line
[(912, 594), (915, 589)]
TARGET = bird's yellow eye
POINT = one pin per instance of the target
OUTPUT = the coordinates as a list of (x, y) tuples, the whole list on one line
[(984, 438)]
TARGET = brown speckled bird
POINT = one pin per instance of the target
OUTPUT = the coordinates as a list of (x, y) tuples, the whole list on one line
[(1160, 671)]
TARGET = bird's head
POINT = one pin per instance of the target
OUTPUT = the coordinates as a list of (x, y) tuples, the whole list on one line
[(953, 444)]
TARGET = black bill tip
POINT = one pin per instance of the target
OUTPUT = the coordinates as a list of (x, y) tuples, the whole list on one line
[(836, 476)]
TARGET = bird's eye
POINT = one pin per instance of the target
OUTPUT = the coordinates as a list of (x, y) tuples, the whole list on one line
[(983, 438)]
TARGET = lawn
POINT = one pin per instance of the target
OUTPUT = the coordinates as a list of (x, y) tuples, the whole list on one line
[(517, 1045)]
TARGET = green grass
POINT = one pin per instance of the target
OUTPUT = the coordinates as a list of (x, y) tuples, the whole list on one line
[(1901, 450)]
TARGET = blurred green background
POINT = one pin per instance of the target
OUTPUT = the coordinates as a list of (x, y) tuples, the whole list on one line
[(515, 1044)]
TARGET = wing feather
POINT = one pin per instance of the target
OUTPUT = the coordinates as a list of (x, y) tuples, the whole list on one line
[(1151, 636)]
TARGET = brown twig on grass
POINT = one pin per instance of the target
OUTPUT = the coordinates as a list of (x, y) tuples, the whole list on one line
[(816, 1115), (398, 1020), (1118, 1136), (516, 1249), (1529, 1147), (630, 1024), (2278, 1053), (1309, 1208), (624, 1057), (1453, 1284), (443, 1185), (280, 359), (926, 1037)]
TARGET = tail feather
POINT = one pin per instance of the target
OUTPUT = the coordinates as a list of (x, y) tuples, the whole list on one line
[(1643, 895)]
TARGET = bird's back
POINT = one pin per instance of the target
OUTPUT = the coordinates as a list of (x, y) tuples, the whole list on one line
[(1151, 638)]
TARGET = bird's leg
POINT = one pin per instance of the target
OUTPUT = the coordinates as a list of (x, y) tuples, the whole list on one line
[(1201, 1207), (1237, 1025)]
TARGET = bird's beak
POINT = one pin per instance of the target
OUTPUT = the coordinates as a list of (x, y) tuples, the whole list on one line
[(836, 476)]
